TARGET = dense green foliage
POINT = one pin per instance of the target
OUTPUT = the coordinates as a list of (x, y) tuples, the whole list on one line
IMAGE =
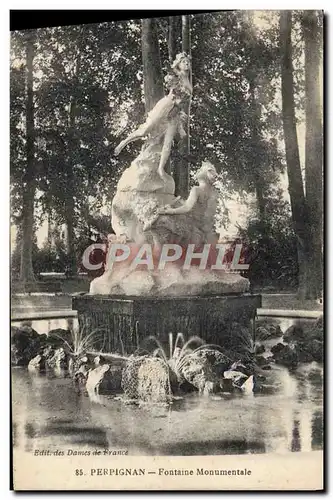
[(272, 246)]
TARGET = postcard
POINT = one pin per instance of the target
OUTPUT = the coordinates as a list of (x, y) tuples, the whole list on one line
[(167, 327)]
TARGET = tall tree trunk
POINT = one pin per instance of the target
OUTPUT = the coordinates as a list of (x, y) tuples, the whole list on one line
[(69, 239), (296, 191), (186, 34), (29, 187), (261, 203), (69, 201), (258, 180), (181, 170), (152, 71), (70, 177), (49, 229), (172, 38), (313, 151)]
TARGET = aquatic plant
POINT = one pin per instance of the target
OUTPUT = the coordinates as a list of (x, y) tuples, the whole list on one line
[(176, 355), (80, 341), (186, 352), (202, 364)]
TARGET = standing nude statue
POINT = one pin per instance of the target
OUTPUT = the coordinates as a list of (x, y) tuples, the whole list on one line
[(168, 116)]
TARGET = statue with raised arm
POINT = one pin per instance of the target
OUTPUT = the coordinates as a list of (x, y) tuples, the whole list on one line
[(168, 116), (145, 209)]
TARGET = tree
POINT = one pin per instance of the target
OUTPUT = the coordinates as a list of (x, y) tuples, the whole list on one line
[(17, 120), (64, 133), (172, 38), (304, 209), (82, 96), (152, 71), (16, 254), (181, 170), (29, 179), (271, 243), (313, 150), (233, 69)]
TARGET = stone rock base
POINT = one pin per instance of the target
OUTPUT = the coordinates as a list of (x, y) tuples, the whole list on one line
[(172, 281)]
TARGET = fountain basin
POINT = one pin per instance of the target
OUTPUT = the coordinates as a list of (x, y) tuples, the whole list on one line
[(126, 321)]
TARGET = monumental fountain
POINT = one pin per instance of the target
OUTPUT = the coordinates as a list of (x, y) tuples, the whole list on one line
[(163, 274)]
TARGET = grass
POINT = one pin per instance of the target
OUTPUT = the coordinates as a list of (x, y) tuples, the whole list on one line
[(288, 301), (75, 285)]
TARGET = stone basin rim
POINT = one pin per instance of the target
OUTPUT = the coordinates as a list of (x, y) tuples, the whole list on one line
[(130, 298)]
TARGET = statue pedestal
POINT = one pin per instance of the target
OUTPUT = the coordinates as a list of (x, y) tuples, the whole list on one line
[(120, 324)]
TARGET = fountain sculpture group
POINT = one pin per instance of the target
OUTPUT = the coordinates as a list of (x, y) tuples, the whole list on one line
[(130, 302)]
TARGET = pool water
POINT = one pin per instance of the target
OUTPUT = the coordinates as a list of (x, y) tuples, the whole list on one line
[(287, 416)]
